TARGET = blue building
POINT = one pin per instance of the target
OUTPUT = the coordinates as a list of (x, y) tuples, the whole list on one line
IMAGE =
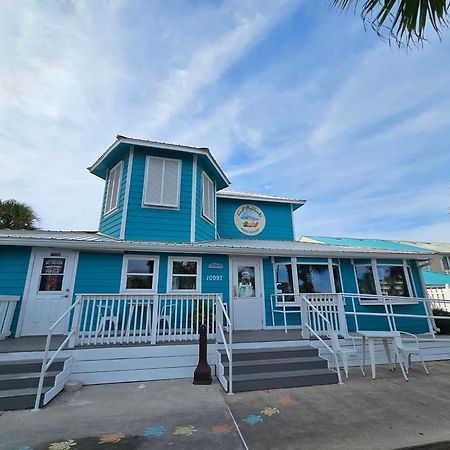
[(175, 248)]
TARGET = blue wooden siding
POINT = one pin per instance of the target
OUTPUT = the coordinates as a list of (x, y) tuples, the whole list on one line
[(204, 229), (14, 263), (215, 286), (98, 273), (111, 223), (278, 219), (159, 224)]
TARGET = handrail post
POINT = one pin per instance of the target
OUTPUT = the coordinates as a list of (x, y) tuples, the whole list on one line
[(43, 370), (304, 314), (75, 322), (155, 314), (230, 334)]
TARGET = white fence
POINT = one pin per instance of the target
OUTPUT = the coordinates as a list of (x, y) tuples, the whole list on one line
[(103, 319), (440, 296), (7, 306)]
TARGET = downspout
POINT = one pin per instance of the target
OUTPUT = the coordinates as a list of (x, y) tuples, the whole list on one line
[(425, 293)]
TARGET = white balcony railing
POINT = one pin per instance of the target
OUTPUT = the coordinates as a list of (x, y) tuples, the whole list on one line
[(103, 319), (7, 307)]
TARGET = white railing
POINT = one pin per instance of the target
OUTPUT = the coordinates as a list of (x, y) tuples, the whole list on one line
[(389, 314), (104, 319), (46, 361), (221, 339), (311, 310), (7, 307), (439, 297)]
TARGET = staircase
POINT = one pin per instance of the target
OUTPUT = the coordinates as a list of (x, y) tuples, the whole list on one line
[(19, 380), (275, 368)]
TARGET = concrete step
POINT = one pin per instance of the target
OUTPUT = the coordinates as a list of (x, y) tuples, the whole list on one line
[(270, 353), (14, 399), (279, 380), (275, 365), (29, 365), (11, 381)]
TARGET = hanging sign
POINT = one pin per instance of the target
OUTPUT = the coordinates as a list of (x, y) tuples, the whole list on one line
[(249, 219)]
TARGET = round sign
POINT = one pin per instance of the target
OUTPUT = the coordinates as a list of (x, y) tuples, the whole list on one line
[(249, 219)]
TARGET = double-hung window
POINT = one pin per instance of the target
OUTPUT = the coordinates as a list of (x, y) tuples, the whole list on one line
[(313, 278), (184, 274), (113, 188), (365, 279), (162, 182), (139, 273), (393, 280), (208, 194)]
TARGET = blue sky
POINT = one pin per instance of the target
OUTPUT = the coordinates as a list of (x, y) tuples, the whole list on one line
[(291, 97)]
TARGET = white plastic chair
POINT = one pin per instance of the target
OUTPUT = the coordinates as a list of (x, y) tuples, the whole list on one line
[(404, 351), (345, 352), (165, 315), (107, 315)]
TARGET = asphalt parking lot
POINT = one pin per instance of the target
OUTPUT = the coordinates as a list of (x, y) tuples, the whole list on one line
[(387, 413)]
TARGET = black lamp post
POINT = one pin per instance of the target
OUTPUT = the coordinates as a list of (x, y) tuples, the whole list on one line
[(202, 374)]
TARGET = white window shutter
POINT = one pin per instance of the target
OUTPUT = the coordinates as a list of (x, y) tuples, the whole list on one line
[(207, 197), (113, 187), (171, 182), (152, 195)]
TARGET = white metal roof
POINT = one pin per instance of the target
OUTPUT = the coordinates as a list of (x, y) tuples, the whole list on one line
[(96, 241), (227, 193)]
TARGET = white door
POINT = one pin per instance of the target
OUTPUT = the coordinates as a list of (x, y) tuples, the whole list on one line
[(49, 292), (247, 294)]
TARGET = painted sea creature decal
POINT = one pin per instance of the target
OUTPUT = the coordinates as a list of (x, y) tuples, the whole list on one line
[(253, 419), (269, 411), (185, 431), (63, 445), (154, 431), (285, 401), (112, 438), (221, 428)]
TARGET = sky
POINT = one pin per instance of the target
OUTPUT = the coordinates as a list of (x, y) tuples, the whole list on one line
[(292, 97)]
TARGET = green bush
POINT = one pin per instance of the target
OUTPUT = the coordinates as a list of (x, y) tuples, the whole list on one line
[(442, 324)]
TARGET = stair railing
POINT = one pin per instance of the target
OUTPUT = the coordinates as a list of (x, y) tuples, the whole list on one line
[(46, 362), (315, 316), (221, 313)]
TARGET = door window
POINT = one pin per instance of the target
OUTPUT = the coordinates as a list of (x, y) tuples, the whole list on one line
[(52, 274), (246, 281)]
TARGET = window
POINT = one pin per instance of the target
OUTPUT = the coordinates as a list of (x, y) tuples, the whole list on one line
[(208, 194), (365, 279), (313, 278), (184, 274), (284, 283), (113, 188), (162, 182), (393, 280), (446, 263), (139, 273), (337, 278), (52, 274)]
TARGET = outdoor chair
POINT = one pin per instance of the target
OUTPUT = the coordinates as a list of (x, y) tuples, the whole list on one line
[(404, 351), (107, 315), (345, 352), (165, 315)]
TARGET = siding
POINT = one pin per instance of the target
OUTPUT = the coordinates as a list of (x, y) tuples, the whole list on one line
[(204, 230), (14, 263), (110, 224), (159, 224), (278, 219)]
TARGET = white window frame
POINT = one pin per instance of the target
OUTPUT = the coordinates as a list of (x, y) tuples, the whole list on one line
[(408, 277), (113, 203), (148, 204), (170, 274), (208, 183), (447, 258), (123, 281)]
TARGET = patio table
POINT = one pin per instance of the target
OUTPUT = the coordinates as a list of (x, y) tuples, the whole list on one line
[(370, 337)]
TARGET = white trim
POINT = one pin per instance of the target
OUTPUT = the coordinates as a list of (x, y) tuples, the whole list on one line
[(119, 167), (144, 143), (261, 197), (145, 204), (215, 209), (263, 294), (26, 288), (194, 197), (293, 221), (208, 219), (170, 274), (330, 271), (124, 273), (127, 193)]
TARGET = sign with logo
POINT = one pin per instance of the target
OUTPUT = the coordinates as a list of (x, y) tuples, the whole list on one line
[(249, 219), (215, 266)]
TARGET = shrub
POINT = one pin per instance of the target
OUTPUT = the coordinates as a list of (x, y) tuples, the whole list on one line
[(442, 324)]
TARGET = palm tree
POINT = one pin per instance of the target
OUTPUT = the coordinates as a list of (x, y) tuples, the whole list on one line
[(17, 216), (402, 20)]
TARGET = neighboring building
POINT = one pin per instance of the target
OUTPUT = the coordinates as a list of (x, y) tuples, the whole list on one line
[(173, 246)]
